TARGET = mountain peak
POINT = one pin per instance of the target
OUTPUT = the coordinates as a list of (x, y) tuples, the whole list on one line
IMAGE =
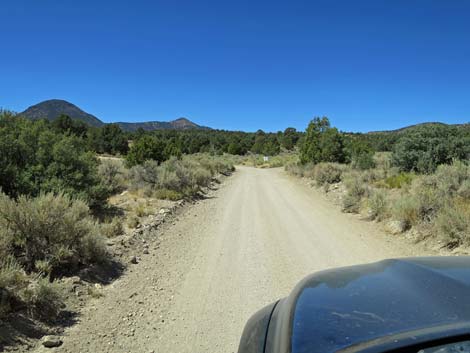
[(51, 109)]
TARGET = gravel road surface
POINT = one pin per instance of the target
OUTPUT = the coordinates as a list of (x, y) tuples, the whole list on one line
[(222, 259)]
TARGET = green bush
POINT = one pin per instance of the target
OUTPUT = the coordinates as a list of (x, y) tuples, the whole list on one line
[(399, 180), (362, 155), (108, 139), (328, 173), (145, 149), (165, 194), (322, 143), (53, 232), (423, 148), (36, 158)]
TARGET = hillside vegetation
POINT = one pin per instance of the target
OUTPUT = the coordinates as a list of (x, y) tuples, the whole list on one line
[(419, 183)]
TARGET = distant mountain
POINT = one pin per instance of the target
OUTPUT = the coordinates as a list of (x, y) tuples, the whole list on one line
[(178, 124), (417, 125), (53, 108)]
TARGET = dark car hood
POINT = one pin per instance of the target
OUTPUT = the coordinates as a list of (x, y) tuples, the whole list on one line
[(356, 307)]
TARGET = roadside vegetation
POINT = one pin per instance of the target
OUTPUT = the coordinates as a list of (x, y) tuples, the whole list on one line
[(416, 180), (66, 189)]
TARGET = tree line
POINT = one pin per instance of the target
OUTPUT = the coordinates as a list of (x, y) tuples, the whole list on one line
[(60, 155), (420, 148)]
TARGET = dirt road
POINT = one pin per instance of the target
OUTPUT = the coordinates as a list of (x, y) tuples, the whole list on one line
[(223, 259)]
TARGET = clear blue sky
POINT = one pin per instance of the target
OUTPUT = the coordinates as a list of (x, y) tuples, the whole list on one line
[(368, 65)]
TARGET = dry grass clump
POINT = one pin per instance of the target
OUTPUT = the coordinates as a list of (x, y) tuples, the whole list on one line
[(357, 189), (301, 170), (41, 297), (405, 210), (214, 164), (452, 226), (378, 205), (112, 229)]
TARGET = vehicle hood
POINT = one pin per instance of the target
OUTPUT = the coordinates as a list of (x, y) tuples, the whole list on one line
[(356, 308)]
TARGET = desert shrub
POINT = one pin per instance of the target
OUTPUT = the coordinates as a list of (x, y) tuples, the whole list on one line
[(405, 210), (112, 229), (12, 279), (146, 174), (42, 298), (112, 173), (351, 203), (213, 164), (133, 221), (399, 180), (378, 205), (452, 226), (294, 169), (383, 160), (301, 170), (140, 210), (328, 173), (429, 200), (178, 177), (49, 231), (356, 190), (95, 292), (449, 178), (464, 189)]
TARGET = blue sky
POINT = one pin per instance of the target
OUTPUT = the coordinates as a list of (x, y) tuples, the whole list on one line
[(242, 65)]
